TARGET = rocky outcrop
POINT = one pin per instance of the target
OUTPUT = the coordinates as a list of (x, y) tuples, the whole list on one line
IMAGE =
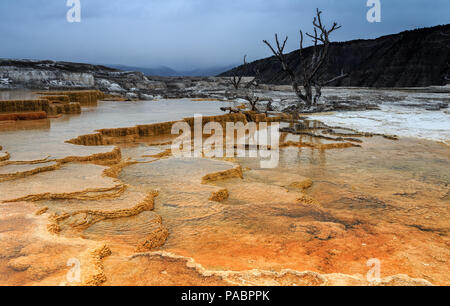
[(4, 156), (40, 75), (52, 75), (219, 196), (303, 184), (223, 175), (154, 240), (48, 74), (41, 211), (119, 85), (408, 59)]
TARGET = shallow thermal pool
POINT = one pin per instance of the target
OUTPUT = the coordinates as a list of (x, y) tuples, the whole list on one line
[(46, 138), (386, 200)]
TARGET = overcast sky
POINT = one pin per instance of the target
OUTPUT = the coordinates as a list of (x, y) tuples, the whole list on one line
[(185, 34)]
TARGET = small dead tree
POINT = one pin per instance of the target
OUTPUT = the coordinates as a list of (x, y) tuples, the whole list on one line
[(250, 96), (246, 92), (311, 72), (256, 81), (253, 101), (269, 107), (236, 80)]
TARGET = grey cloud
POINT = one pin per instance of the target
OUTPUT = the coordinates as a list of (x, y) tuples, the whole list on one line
[(185, 34)]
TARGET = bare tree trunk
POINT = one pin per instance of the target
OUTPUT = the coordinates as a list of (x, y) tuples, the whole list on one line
[(318, 94), (308, 94)]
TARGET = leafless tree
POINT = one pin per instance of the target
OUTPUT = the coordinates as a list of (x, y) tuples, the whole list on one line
[(311, 74), (247, 92), (269, 107), (236, 80), (256, 81), (253, 101)]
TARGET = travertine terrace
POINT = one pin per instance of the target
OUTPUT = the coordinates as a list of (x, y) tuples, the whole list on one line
[(48, 104), (101, 188)]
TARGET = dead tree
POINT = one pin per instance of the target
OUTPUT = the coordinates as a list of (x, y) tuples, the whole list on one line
[(236, 80), (252, 100), (246, 92), (256, 81), (311, 74), (269, 107)]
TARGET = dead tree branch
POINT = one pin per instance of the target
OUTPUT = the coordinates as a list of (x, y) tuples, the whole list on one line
[(230, 110)]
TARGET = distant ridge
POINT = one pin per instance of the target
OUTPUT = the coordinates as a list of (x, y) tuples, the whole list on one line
[(409, 59), (169, 72), (156, 71)]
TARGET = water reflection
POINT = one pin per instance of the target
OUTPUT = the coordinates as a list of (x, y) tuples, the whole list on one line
[(18, 95), (36, 140)]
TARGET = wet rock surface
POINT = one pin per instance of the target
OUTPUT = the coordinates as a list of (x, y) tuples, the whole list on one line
[(51, 75)]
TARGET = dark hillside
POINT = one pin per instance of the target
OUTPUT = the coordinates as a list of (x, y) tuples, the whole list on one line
[(408, 59)]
